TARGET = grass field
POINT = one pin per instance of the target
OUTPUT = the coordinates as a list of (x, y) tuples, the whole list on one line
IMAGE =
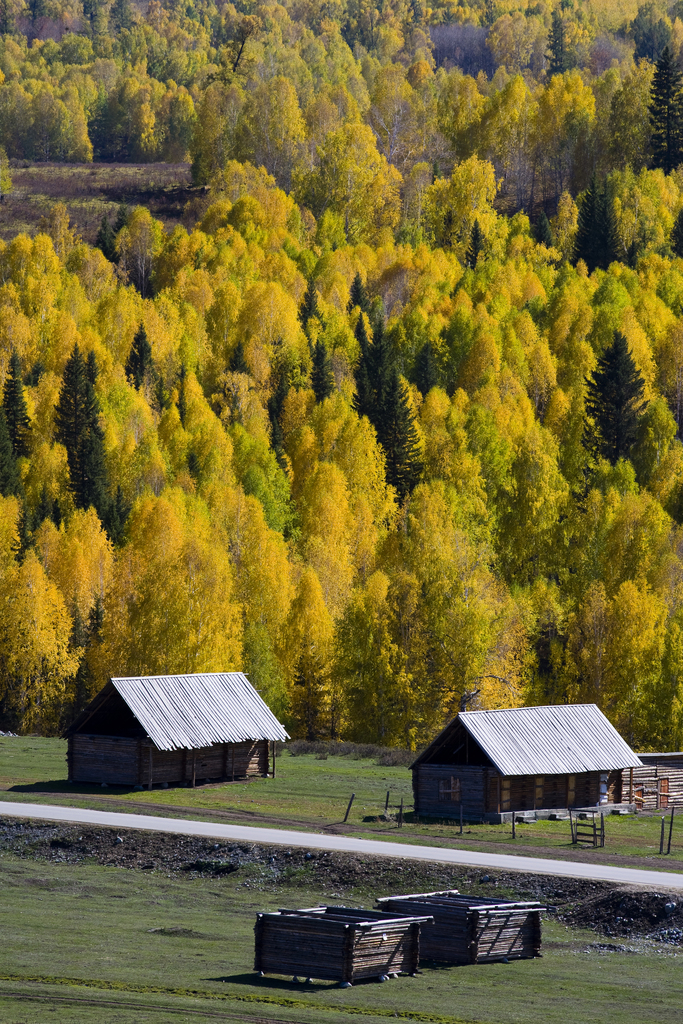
[(92, 190), (313, 794), (85, 942)]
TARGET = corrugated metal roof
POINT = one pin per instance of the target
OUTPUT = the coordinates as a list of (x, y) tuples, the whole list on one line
[(555, 740), (198, 710)]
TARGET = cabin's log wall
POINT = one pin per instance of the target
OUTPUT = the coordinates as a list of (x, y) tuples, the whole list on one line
[(130, 762), (653, 787), (334, 950), (470, 930), (481, 789)]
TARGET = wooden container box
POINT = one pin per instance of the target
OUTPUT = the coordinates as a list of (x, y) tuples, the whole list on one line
[(469, 930), (337, 943)]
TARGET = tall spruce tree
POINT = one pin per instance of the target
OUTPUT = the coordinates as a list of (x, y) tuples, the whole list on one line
[(379, 363), (309, 306), (557, 52), (359, 295), (181, 404), (614, 401), (542, 230), (275, 406), (10, 480), (476, 246), (666, 113), (426, 373), (238, 362), (139, 360), (322, 377), (676, 238), (78, 429), (596, 238), (106, 239), (398, 436), (116, 517), (362, 402), (14, 406)]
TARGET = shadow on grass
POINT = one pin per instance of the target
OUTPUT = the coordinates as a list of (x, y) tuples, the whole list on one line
[(64, 786), (276, 984)]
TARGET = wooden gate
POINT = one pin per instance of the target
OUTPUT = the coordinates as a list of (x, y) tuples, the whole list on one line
[(662, 793)]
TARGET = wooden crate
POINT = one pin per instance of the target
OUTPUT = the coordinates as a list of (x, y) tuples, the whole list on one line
[(469, 930), (338, 943)]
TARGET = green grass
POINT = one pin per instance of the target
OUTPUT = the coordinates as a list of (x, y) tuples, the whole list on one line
[(312, 794), (91, 934)]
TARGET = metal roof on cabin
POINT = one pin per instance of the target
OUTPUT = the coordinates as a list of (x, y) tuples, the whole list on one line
[(189, 711), (558, 739)]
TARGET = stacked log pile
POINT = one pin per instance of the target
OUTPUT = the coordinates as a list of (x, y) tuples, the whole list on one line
[(338, 943), (469, 930)]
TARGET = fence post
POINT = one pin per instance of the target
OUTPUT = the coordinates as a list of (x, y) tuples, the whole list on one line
[(661, 836), (400, 815), (671, 828), (349, 807), (513, 826), (461, 817), (571, 825), (602, 829), (386, 804)]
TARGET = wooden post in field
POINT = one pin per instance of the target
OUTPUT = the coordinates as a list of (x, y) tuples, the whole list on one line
[(602, 828), (349, 807), (400, 815), (671, 828), (461, 817), (514, 834), (661, 836), (274, 751), (386, 805)]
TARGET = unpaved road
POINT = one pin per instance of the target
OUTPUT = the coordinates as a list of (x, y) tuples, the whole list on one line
[(344, 844)]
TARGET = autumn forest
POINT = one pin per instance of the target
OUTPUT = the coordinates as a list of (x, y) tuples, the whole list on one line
[(393, 421)]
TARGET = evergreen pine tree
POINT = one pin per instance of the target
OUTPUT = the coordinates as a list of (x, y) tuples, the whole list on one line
[(322, 377), (666, 113), (238, 364), (542, 231), (398, 436), (116, 517), (122, 217), (677, 236), (57, 513), (309, 305), (426, 372), (182, 396), (106, 239), (362, 403), (557, 54), (379, 361), (14, 405), (275, 406), (78, 429), (44, 507), (139, 358), (359, 295), (614, 401), (10, 481), (596, 237), (475, 247)]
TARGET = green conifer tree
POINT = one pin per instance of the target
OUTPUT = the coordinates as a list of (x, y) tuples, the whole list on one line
[(44, 507), (78, 429), (557, 53), (10, 480), (116, 516), (666, 113), (475, 247), (542, 230), (614, 401), (676, 238), (398, 436), (106, 239), (322, 377), (426, 373), (182, 396), (122, 217), (359, 295), (596, 238), (14, 405), (139, 360), (309, 305), (238, 363), (362, 402), (275, 406)]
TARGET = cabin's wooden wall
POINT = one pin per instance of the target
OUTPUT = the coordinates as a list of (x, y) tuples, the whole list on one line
[(480, 789), (653, 787), (129, 762)]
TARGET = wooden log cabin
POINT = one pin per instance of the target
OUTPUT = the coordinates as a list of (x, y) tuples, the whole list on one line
[(537, 761), (173, 729), (656, 786)]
